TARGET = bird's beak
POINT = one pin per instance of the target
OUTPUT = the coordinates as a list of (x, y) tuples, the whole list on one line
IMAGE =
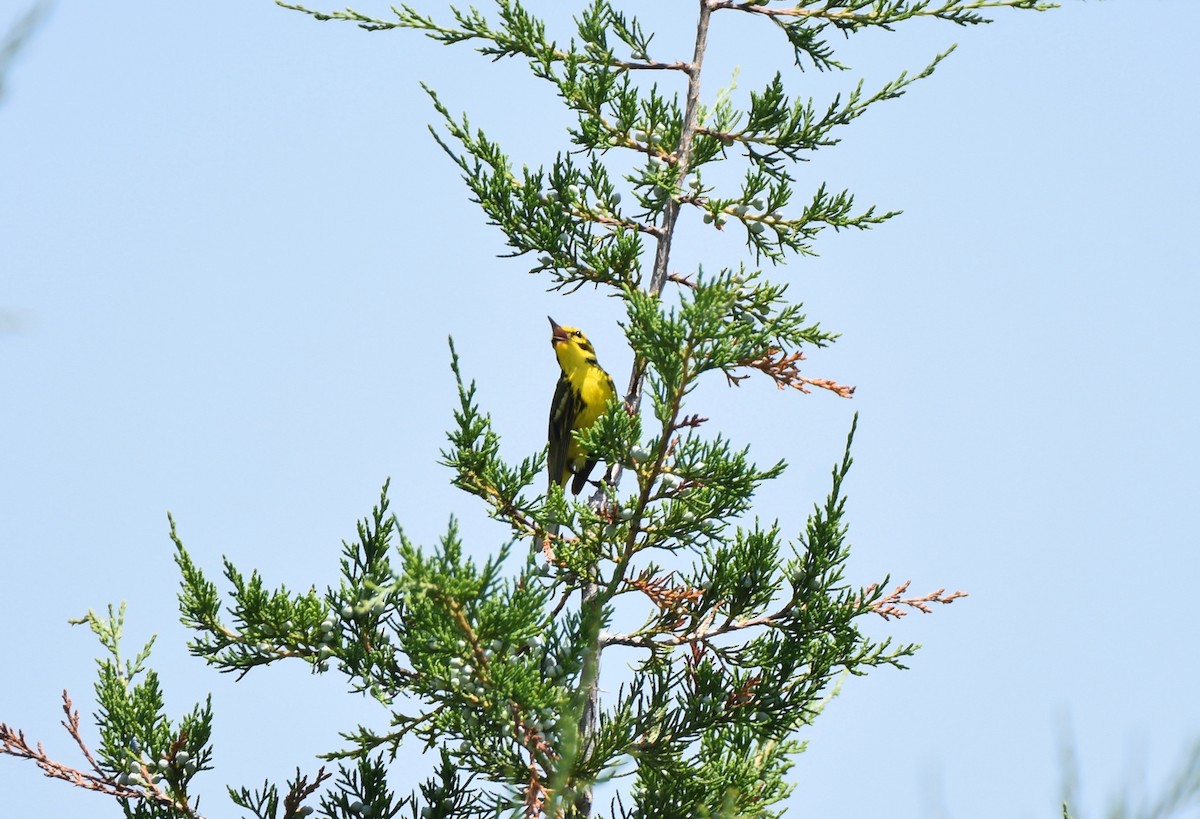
[(557, 334)]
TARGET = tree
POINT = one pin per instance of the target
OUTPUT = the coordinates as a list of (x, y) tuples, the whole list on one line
[(739, 635)]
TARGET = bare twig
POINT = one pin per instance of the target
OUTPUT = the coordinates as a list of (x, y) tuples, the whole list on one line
[(783, 370), (13, 743), (704, 632), (71, 723), (668, 597), (690, 421), (890, 607), (300, 789), (682, 157)]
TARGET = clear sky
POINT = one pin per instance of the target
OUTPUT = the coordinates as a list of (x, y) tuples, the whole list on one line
[(230, 256)]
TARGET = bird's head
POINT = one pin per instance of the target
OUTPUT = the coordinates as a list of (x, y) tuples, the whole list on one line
[(571, 347)]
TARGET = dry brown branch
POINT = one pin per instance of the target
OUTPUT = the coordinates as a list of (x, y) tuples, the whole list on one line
[(703, 632), (669, 599), (535, 793), (826, 384), (535, 743), (71, 723), (783, 369), (13, 743), (744, 695), (301, 790), (890, 606), (531, 737)]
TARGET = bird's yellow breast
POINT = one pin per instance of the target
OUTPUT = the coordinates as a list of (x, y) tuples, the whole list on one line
[(595, 388)]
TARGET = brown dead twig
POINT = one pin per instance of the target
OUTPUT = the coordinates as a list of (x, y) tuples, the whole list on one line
[(783, 370), (743, 695), (689, 421), (13, 743), (535, 743), (889, 607), (670, 599), (535, 793), (301, 789)]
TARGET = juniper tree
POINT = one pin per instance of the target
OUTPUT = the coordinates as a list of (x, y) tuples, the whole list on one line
[(733, 633)]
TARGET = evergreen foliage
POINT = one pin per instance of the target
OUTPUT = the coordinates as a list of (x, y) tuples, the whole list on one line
[(737, 634)]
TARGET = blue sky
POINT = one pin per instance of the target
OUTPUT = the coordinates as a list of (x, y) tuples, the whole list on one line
[(231, 256)]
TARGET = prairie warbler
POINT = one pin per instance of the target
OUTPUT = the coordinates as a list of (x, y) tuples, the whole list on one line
[(579, 399)]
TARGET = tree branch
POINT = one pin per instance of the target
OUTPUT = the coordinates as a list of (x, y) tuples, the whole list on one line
[(13, 743)]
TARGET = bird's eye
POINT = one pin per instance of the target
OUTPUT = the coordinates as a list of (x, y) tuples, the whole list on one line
[(577, 334)]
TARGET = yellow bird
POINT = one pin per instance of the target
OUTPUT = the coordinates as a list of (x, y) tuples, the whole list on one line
[(583, 391)]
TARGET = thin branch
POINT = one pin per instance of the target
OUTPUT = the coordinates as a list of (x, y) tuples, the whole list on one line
[(889, 607), (648, 65), (71, 723), (613, 221), (783, 370), (687, 135), (702, 633), (13, 743), (301, 789)]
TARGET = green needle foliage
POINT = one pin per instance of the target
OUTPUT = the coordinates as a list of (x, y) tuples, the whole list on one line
[(734, 634)]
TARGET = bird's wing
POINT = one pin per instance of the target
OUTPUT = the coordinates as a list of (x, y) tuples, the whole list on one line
[(563, 410)]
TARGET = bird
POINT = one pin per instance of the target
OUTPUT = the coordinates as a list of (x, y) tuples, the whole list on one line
[(583, 391)]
